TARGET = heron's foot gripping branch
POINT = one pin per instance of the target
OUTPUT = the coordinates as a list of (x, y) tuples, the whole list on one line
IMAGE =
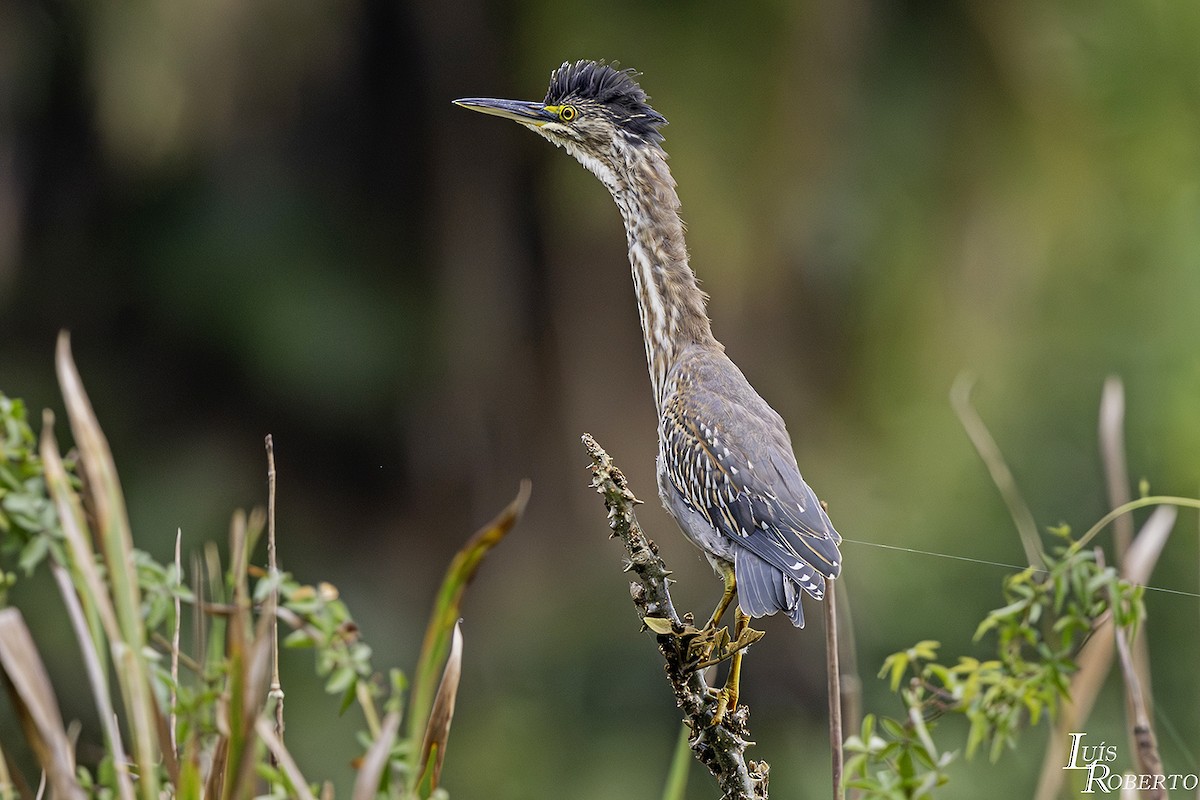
[(705, 646), (685, 648)]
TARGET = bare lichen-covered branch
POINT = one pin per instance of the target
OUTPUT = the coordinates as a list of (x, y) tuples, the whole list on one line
[(721, 748)]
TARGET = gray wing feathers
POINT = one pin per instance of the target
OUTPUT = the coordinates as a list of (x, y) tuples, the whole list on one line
[(728, 457), (763, 590)]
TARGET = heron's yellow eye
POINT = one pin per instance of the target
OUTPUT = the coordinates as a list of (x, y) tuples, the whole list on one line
[(567, 113)]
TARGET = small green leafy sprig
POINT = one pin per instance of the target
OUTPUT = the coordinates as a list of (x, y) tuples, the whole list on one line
[(28, 524), (1049, 613)]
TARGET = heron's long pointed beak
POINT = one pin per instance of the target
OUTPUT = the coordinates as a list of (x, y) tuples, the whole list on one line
[(517, 110)]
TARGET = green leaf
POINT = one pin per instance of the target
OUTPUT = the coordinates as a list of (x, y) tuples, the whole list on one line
[(299, 639), (896, 663), (892, 728), (348, 697), (343, 678), (33, 553)]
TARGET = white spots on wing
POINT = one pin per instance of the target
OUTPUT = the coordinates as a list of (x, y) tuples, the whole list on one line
[(733, 470)]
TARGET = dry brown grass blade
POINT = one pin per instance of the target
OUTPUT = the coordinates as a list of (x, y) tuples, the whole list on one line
[(437, 732), (1142, 727), (366, 785), (1112, 451), (1116, 474), (1143, 554), (283, 758), (35, 705), (214, 786)]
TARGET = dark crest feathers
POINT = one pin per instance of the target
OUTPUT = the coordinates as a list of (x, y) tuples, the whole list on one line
[(616, 89)]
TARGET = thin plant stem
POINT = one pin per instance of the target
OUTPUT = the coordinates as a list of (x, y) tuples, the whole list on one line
[(276, 690), (989, 452), (1133, 505), (175, 645), (833, 674)]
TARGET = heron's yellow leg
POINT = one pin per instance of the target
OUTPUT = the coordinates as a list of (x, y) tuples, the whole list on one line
[(727, 698), (730, 577)]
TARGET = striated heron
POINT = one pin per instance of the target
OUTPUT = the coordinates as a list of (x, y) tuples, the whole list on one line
[(726, 470)]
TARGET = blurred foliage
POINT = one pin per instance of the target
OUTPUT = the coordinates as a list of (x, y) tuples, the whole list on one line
[(213, 738), (266, 217), (27, 521)]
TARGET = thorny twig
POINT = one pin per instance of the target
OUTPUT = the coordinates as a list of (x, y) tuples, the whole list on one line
[(719, 747)]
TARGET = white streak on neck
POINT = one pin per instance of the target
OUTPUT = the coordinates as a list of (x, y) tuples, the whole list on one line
[(670, 304)]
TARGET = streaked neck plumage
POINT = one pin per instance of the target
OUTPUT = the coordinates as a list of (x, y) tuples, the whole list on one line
[(670, 302)]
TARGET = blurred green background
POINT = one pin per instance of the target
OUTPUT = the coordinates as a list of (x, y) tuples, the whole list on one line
[(266, 217)]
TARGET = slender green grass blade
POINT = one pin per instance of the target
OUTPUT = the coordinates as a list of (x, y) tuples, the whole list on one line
[(94, 668), (681, 761), (446, 609), (87, 602), (78, 537), (116, 543)]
